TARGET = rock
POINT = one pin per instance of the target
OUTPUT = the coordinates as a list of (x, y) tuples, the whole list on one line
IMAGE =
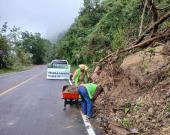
[(150, 111), (71, 89), (134, 131), (119, 130)]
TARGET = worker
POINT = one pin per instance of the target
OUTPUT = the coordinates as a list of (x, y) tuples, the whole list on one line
[(80, 76), (88, 93)]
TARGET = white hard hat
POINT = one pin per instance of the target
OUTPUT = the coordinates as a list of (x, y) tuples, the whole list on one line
[(83, 66)]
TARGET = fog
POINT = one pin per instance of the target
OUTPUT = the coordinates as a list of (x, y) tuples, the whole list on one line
[(48, 17)]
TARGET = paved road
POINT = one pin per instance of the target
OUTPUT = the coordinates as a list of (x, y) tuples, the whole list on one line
[(32, 105)]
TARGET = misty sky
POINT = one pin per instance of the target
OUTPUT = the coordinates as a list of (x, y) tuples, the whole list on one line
[(49, 17)]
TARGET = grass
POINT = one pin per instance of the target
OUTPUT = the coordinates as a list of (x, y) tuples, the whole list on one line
[(16, 68)]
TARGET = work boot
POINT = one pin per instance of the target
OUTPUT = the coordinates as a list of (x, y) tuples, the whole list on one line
[(89, 117)]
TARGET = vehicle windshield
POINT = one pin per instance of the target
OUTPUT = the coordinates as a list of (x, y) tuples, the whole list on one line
[(59, 64)]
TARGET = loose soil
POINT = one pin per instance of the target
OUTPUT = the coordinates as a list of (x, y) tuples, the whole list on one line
[(136, 97)]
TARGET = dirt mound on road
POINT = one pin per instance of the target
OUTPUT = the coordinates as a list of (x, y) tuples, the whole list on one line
[(136, 97)]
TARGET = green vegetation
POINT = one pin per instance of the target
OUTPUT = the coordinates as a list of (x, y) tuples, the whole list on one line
[(99, 30), (128, 107), (126, 123), (15, 68), (20, 49), (103, 27), (167, 109)]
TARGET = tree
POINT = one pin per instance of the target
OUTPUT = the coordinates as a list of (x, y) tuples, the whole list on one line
[(90, 4), (39, 48), (4, 51)]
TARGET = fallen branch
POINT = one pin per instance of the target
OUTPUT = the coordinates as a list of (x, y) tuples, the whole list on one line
[(110, 55), (161, 20), (145, 43), (106, 57), (162, 8)]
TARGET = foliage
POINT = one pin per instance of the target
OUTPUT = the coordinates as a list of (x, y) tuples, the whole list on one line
[(98, 30), (39, 48), (127, 107), (167, 109), (126, 123), (19, 48), (4, 51), (103, 27)]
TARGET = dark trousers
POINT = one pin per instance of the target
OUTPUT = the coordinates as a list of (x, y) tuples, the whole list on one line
[(86, 102)]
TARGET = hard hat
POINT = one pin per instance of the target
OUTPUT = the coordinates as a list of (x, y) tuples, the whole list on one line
[(83, 66)]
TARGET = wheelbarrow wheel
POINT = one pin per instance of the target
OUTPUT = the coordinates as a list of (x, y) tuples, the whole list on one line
[(64, 105)]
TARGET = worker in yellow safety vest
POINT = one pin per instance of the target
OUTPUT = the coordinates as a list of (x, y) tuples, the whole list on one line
[(80, 76), (88, 93)]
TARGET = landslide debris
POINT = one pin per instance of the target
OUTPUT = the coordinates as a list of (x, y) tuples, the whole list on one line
[(136, 97)]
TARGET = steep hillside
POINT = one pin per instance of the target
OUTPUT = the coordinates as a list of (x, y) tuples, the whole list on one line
[(136, 96), (130, 41), (105, 27), (100, 30)]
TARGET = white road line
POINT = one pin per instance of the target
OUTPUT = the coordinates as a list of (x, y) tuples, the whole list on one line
[(8, 74), (70, 82), (87, 124), (14, 87), (13, 73)]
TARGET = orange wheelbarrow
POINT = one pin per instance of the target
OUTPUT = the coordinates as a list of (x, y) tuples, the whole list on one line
[(70, 98)]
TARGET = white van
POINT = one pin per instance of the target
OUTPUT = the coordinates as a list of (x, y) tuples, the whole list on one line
[(58, 69)]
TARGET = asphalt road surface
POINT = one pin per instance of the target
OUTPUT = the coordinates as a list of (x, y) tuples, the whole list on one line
[(32, 105)]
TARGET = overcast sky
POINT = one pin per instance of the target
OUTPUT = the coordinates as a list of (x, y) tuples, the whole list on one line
[(49, 17)]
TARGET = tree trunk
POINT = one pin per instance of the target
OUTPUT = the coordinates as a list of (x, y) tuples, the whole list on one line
[(142, 18), (145, 43), (154, 15), (156, 24)]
